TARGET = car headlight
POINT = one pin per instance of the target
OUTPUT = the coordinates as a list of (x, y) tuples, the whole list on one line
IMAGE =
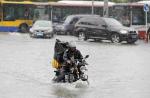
[(31, 30), (136, 32), (123, 31)]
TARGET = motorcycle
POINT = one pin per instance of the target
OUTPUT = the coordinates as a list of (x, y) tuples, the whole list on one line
[(76, 72)]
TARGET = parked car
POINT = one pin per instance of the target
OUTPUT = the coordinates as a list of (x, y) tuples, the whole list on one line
[(67, 27), (104, 29), (42, 28)]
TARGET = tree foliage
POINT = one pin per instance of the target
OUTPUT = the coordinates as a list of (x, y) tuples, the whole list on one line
[(34, 0), (43, 0), (117, 1), (124, 1)]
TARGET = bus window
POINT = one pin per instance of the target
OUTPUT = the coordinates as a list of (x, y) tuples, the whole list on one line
[(31, 13), (122, 14), (0, 12), (36, 15), (8, 13), (20, 15), (138, 16), (26, 13), (22, 12), (39, 13)]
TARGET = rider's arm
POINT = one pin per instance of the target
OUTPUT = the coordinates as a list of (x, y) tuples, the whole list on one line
[(65, 57), (80, 57)]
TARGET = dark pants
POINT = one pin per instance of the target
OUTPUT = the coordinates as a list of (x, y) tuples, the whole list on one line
[(64, 70)]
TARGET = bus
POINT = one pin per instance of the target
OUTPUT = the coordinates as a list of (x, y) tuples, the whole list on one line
[(61, 9), (130, 14), (16, 16), (58, 11)]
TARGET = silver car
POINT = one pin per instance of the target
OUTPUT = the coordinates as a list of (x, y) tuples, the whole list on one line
[(42, 28)]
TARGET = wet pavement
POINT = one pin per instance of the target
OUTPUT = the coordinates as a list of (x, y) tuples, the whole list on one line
[(115, 71)]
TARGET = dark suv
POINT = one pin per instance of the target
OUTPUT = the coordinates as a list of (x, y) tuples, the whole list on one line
[(104, 29)]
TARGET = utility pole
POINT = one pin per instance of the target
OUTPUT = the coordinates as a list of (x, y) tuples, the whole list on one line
[(92, 7), (105, 9), (146, 9)]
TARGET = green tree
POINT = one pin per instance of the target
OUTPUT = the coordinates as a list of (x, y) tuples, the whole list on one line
[(34, 0), (43, 0), (120, 1), (117, 1)]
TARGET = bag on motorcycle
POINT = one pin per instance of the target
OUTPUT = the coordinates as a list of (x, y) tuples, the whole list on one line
[(56, 64)]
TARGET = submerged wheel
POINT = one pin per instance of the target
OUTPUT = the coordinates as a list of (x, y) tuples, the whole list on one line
[(84, 77), (82, 36), (24, 28), (115, 38)]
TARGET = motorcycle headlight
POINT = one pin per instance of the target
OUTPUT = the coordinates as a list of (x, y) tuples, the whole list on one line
[(123, 31), (83, 69)]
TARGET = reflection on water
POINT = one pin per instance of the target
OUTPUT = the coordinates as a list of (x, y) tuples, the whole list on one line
[(69, 90)]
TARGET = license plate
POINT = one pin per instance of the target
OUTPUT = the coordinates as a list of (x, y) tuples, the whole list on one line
[(134, 36), (39, 34)]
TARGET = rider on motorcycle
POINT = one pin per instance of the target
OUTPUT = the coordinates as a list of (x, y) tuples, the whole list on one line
[(69, 56)]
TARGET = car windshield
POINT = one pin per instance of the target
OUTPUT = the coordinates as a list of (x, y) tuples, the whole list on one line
[(43, 24), (112, 22), (67, 20)]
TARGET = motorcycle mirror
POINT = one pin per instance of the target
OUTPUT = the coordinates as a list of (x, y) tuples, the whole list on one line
[(86, 56)]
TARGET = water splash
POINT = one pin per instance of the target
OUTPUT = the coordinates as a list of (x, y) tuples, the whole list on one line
[(74, 90)]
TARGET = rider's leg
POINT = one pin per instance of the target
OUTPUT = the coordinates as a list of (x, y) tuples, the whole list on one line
[(61, 75)]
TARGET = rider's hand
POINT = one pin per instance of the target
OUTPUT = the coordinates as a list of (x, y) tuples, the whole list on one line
[(80, 60)]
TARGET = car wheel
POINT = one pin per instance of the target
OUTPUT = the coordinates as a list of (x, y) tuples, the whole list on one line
[(115, 38), (82, 36)]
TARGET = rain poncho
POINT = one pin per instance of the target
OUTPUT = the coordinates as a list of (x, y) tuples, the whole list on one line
[(59, 49)]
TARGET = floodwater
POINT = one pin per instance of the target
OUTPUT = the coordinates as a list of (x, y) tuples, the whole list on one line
[(115, 71)]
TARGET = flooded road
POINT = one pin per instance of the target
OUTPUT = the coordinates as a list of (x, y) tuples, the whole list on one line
[(115, 71)]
